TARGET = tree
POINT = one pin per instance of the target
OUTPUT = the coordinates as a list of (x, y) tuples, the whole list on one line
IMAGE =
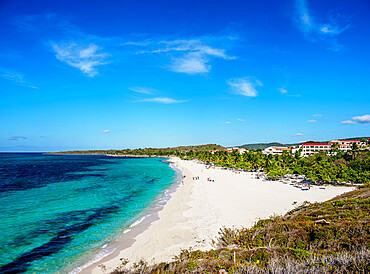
[(355, 150)]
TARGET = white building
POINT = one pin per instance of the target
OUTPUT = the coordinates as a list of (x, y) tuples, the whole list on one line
[(313, 148), (349, 142), (342, 146), (275, 150)]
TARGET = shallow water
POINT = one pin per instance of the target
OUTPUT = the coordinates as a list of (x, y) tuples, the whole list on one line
[(58, 211)]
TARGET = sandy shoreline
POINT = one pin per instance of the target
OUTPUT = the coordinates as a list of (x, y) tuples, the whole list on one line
[(197, 210)]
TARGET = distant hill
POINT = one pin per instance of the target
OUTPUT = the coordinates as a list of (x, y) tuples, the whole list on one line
[(144, 151), (198, 147), (275, 144), (265, 145), (354, 138)]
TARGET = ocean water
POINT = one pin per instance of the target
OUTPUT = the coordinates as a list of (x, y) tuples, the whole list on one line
[(58, 211)]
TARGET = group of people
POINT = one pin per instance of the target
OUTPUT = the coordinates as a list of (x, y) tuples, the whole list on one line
[(196, 178)]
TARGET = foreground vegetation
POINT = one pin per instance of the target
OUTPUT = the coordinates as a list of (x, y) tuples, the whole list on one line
[(328, 237)]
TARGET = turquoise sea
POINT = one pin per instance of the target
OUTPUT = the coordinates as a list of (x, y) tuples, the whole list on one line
[(58, 212)]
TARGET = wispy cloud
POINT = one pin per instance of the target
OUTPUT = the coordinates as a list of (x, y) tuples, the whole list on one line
[(312, 121), (332, 29), (191, 63), (364, 119), (87, 52), (16, 138), (83, 57), (317, 115), (163, 100), (299, 134), (190, 56), (227, 122), (282, 90), (105, 131), (348, 122), (241, 120), (143, 90), (245, 86), (316, 31), (16, 78)]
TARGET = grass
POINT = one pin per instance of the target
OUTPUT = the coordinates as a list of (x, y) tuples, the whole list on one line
[(328, 237)]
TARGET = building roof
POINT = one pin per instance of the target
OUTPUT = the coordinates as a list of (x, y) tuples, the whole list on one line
[(315, 144), (350, 140)]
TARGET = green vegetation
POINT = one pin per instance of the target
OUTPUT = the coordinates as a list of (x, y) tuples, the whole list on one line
[(328, 237), (353, 166), (174, 151)]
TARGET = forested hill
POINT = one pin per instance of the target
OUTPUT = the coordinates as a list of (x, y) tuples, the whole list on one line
[(265, 145), (276, 144), (145, 151)]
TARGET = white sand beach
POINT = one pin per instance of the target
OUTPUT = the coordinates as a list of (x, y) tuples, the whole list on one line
[(197, 210)]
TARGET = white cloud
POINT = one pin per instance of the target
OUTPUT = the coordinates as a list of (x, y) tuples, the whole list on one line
[(84, 57), (16, 78), (245, 86), (348, 122), (312, 121), (282, 90), (299, 134), (191, 63), (143, 90), (365, 119), (317, 115), (227, 122), (106, 131), (241, 120), (304, 16), (189, 56), (163, 100), (328, 29), (315, 31)]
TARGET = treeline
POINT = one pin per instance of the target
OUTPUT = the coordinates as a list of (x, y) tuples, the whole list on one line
[(170, 151), (328, 237), (352, 166)]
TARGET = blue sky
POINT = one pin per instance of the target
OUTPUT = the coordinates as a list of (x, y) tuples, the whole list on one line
[(128, 74)]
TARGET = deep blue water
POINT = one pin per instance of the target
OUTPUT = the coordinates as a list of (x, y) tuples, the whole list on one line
[(57, 211)]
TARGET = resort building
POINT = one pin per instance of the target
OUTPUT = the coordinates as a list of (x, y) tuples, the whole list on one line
[(342, 147), (308, 148), (275, 150), (349, 142), (240, 150), (312, 148)]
